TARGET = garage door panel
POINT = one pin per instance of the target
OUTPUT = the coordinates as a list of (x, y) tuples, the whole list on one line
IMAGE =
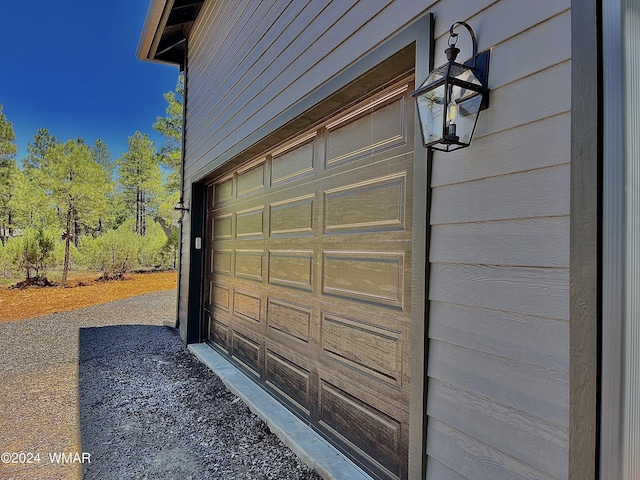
[(377, 165), (249, 264), (373, 357), (291, 268), (291, 320), (292, 217), (373, 350), (219, 331), (222, 192), (375, 205), (220, 296), (251, 179), (222, 228), (290, 376), (372, 277), (375, 432), (250, 223), (221, 261), (246, 349), (366, 130), (247, 305), (295, 162)]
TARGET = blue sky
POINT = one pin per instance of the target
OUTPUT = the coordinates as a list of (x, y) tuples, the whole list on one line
[(70, 66)]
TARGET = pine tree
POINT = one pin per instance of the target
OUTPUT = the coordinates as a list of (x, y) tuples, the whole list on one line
[(8, 169), (76, 185), (170, 127), (140, 178), (8, 148), (101, 155), (37, 150), (30, 204)]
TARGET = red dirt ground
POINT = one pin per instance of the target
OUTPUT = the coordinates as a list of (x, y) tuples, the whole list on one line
[(16, 304)]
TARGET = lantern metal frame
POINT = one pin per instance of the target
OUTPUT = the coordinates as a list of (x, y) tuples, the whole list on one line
[(450, 76), (181, 208)]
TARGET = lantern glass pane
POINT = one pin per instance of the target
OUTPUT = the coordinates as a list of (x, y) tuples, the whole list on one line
[(464, 73), (436, 75), (467, 107), (431, 109)]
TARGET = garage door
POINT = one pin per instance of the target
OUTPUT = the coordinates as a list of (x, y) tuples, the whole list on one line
[(308, 276)]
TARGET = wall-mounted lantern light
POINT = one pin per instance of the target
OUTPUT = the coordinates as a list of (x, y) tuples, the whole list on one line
[(451, 98), (181, 209)]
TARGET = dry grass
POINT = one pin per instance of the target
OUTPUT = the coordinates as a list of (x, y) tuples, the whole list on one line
[(83, 292)]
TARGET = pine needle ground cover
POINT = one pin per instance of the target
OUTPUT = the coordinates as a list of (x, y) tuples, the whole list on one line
[(19, 304)]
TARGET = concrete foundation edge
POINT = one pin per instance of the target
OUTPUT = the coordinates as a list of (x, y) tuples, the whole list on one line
[(310, 447)]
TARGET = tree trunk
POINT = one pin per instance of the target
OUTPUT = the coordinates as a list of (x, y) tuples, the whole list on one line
[(67, 242), (143, 214), (76, 229), (139, 226)]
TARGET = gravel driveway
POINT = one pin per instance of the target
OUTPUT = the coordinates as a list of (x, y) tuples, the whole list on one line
[(131, 400)]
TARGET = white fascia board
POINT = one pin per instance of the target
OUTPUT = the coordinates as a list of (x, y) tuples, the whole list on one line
[(151, 29)]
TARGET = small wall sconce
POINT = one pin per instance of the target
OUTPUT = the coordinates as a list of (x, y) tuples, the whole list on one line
[(451, 98), (181, 208)]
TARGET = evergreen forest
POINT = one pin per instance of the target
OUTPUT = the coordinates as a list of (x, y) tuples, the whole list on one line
[(68, 205)]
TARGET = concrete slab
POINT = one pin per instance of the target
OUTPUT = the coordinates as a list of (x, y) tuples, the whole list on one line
[(310, 447)]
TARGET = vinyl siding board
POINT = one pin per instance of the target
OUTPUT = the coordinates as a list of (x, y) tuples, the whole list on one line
[(536, 242), (439, 471), (473, 459), (523, 436), (531, 146), (532, 194), (183, 278), (251, 32), (244, 98), (210, 37), (538, 96), (541, 292), (495, 23), (524, 338), (533, 390), (540, 43), (220, 90)]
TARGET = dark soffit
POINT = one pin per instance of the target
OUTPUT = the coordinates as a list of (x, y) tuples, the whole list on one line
[(171, 45)]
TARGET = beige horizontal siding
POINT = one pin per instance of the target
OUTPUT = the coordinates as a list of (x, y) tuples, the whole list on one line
[(523, 338), (538, 242), (466, 457), (531, 146), (520, 435), (498, 388)]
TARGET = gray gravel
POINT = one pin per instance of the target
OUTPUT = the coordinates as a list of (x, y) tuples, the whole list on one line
[(149, 409), (131, 396)]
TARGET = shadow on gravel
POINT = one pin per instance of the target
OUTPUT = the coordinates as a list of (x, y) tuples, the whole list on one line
[(150, 409)]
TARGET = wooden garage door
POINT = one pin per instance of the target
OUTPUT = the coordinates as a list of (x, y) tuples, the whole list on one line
[(308, 274)]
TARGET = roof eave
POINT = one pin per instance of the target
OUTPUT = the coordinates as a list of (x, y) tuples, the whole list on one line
[(152, 29), (165, 30)]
